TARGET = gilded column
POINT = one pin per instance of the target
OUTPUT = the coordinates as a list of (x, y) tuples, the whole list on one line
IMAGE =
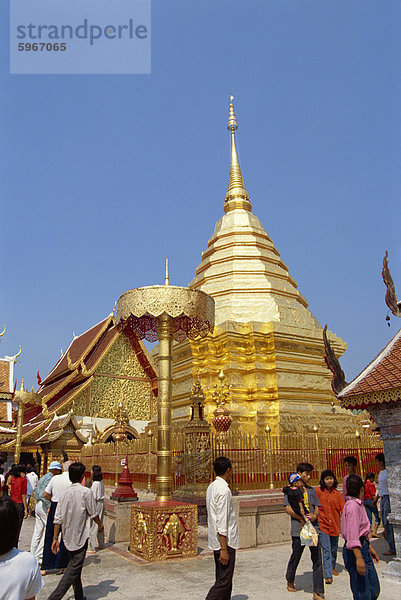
[(164, 479)]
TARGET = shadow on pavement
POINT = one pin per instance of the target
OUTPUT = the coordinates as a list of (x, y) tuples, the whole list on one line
[(100, 590), (239, 597)]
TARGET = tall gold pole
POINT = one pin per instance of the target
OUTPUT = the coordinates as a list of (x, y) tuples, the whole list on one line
[(358, 441), (269, 449), (164, 478), (316, 430), (150, 436)]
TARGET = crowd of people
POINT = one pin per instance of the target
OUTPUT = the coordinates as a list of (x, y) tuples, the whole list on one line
[(62, 500), (318, 516)]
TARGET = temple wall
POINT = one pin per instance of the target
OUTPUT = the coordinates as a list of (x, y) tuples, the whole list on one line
[(277, 373)]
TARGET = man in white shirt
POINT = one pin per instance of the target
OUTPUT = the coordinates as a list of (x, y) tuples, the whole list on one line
[(54, 491), (222, 529), (74, 513), (19, 572)]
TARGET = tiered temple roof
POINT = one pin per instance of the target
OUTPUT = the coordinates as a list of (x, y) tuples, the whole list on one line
[(379, 382), (73, 373)]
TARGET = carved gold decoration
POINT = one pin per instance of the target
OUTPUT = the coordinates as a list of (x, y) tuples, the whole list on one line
[(106, 391), (160, 530), (196, 461), (363, 400), (121, 360), (165, 313), (79, 401), (173, 532), (142, 531), (193, 313)]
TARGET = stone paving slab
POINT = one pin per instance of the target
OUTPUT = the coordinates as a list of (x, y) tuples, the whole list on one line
[(115, 574)]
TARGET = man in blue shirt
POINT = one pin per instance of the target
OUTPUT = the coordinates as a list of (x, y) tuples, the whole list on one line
[(41, 508)]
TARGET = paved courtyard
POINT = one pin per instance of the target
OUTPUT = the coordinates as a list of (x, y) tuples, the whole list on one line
[(259, 574)]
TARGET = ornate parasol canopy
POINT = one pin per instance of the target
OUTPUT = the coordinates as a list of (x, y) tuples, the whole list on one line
[(191, 311)]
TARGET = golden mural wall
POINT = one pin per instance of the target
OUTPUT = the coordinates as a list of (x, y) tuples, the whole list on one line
[(119, 375)]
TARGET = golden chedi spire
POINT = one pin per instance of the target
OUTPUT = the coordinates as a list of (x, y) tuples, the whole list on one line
[(237, 196)]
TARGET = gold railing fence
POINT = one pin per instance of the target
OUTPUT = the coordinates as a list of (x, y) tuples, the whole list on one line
[(260, 461)]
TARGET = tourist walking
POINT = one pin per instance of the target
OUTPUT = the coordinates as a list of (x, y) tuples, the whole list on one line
[(31, 482), (18, 486), (96, 537), (54, 491), (312, 503), (19, 572), (41, 509), (350, 463), (222, 529), (73, 514), (371, 509), (385, 507), (331, 507), (357, 551)]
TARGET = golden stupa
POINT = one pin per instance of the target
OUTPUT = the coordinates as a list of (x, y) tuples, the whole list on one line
[(267, 342)]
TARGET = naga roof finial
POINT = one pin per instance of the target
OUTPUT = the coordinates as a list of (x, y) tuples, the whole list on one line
[(338, 382), (391, 297)]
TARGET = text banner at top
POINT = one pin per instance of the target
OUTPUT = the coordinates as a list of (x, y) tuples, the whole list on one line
[(80, 37)]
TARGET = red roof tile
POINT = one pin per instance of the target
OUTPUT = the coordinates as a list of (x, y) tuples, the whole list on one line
[(383, 373), (6, 374), (77, 350)]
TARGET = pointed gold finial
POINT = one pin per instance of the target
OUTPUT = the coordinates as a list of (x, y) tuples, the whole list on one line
[(17, 355), (3, 332), (237, 196), (22, 389), (114, 308), (73, 335), (166, 277), (61, 351)]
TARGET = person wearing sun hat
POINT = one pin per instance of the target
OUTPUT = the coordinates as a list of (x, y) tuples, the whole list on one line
[(41, 508)]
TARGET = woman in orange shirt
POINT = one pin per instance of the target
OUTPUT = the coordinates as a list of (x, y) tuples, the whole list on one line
[(332, 505)]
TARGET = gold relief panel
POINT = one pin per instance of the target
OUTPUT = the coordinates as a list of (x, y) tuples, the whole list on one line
[(106, 392), (161, 530), (78, 404), (121, 360)]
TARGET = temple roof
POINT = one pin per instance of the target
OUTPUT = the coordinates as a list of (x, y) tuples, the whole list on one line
[(382, 374), (74, 370), (77, 350), (56, 428)]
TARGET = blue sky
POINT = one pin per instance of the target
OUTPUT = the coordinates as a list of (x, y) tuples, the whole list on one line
[(102, 177)]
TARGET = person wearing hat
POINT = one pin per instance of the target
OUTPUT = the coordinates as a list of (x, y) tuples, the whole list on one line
[(295, 494), (312, 503), (41, 508)]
